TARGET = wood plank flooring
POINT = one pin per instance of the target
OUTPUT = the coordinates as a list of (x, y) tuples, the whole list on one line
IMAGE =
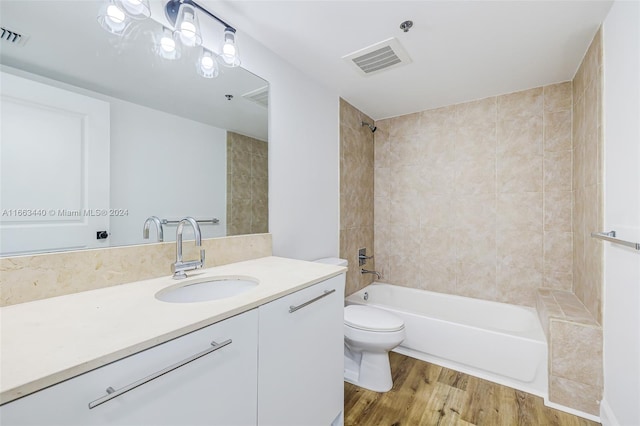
[(425, 394)]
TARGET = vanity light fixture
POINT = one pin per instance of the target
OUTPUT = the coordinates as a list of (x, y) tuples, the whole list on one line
[(116, 16)]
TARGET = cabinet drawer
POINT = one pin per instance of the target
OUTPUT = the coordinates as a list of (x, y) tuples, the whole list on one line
[(209, 390)]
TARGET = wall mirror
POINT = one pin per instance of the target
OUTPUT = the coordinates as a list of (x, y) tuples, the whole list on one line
[(99, 133)]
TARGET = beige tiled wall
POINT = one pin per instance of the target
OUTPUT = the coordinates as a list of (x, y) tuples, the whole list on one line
[(34, 277), (247, 185), (475, 199), (356, 194), (587, 179)]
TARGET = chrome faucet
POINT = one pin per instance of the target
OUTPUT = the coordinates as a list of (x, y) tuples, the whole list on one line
[(365, 271), (179, 267), (147, 224)]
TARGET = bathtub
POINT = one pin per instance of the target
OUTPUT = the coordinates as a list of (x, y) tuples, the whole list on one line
[(495, 341)]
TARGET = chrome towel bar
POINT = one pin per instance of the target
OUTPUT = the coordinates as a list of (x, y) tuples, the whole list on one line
[(213, 221), (611, 236)]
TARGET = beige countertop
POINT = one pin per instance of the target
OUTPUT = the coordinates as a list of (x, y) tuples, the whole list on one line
[(47, 341)]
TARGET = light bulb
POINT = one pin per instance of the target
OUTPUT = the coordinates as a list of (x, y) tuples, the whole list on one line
[(167, 44), (229, 49), (115, 15), (113, 19), (188, 33), (187, 27), (207, 66), (207, 62)]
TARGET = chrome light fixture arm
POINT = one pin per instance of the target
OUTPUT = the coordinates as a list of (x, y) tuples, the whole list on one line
[(173, 6)]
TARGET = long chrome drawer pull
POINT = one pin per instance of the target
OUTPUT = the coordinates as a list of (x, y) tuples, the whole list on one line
[(112, 393), (294, 308)]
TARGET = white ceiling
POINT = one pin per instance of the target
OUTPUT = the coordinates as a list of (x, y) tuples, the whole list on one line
[(461, 50)]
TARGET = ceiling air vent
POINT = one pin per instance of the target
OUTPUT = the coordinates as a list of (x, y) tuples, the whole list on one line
[(13, 37), (381, 56), (259, 96)]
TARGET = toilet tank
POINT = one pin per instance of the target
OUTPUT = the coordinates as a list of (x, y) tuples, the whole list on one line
[(333, 261)]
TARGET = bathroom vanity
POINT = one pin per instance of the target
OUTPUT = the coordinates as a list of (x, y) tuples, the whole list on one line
[(269, 356)]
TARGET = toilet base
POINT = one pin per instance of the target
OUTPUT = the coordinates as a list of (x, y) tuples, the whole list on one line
[(369, 370)]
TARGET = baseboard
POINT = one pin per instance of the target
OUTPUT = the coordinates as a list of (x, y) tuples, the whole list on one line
[(572, 411), (607, 417)]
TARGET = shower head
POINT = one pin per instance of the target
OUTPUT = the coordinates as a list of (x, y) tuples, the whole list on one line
[(370, 126)]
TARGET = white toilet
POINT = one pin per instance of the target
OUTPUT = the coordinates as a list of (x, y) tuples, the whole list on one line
[(369, 335)]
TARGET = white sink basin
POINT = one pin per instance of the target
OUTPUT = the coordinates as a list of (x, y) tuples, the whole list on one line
[(205, 289)]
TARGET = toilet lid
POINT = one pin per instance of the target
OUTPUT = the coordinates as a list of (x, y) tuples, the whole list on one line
[(371, 319)]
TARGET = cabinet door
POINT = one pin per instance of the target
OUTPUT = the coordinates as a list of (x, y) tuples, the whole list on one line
[(301, 361), (218, 388)]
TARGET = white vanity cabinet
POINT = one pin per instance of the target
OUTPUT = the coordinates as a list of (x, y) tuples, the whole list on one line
[(217, 388), (301, 362)]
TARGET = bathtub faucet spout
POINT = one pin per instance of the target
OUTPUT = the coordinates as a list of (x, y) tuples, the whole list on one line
[(365, 271)]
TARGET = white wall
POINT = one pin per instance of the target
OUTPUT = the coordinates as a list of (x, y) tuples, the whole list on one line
[(621, 402), (304, 157), (166, 166)]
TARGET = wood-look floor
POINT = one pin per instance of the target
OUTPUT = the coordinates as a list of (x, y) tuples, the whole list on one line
[(425, 394)]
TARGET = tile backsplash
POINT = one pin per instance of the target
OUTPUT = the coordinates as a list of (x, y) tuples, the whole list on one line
[(34, 277)]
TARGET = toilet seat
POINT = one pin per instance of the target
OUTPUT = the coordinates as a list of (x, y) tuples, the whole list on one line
[(371, 319)]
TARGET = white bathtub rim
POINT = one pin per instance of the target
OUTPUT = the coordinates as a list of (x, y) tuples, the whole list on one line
[(535, 334)]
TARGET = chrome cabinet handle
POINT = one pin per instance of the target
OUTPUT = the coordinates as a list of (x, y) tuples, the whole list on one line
[(112, 393), (294, 308)]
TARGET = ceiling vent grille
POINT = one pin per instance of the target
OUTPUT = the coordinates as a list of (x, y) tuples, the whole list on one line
[(259, 96), (13, 37), (381, 56)]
